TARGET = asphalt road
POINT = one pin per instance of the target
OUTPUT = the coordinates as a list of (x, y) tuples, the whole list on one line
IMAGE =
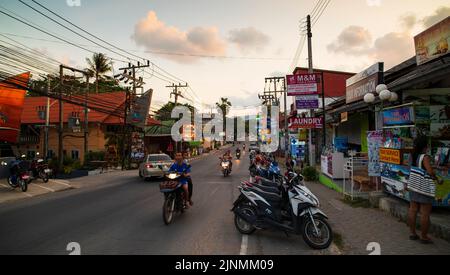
[(122, 214)]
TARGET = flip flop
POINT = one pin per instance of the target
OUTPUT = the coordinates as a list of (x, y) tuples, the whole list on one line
[(414, 237), (426, 241)]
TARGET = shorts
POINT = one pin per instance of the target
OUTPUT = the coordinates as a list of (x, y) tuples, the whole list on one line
[(419, 198)]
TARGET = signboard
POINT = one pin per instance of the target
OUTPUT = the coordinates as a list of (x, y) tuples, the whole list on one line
[(433, 43), (391, 156), (306, 123), (375, 142), (303, 84), (399, 116), (11, 106), (365, 82), (74, 123), (307, 102), (303, 135), (140, 110)]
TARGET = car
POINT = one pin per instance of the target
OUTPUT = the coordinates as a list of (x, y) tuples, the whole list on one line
[(155, 165)]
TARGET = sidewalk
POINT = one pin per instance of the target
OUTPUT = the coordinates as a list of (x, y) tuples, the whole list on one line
[(360, 226)]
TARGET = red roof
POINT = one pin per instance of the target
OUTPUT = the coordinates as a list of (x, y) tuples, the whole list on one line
[(335, 82), (114, 101), (153, 122)]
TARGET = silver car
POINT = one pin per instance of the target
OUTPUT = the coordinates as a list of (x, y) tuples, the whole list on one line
[(155, 166)]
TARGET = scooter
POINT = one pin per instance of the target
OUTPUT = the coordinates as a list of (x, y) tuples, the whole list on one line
[(20, 175), (174, 201), (256, 209), (238, 155), (226, 169), (40, 170)]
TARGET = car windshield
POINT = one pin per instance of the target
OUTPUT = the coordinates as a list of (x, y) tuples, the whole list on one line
[(158, 158)]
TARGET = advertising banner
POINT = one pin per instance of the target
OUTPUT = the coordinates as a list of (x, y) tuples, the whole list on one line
[(392, 156), (11, 106), (399, 116), (433, 43), (307, 102), (363, 83), (304, 84), (375, 142), (140, 110)]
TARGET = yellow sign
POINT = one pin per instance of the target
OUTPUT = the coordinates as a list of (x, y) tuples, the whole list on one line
[(344, 117), (303, 135), (392, 156)]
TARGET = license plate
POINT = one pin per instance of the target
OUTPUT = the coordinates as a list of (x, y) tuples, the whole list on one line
[(47, 171)]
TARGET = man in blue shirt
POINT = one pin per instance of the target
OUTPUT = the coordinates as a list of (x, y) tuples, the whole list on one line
[(184, 170)]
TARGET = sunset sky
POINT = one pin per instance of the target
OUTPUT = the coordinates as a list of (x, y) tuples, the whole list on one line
[(258, 37)]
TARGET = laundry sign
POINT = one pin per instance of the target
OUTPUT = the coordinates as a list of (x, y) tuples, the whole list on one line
[(306, 123)]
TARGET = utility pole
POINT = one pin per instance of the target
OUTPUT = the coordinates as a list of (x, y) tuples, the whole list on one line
[(311, 70), (61, 113), (86, 120), (177, 93), (130, 96), (47, 119)]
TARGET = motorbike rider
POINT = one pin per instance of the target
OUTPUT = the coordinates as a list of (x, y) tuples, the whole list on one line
[(180, 167), (189, 178), (238, 151), (228, 157)]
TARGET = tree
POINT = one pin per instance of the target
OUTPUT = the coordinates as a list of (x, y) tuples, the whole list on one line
[(99, 65), (224, 105), (165, 113)]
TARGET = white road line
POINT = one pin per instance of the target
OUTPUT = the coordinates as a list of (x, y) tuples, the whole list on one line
[(1, 184), (244, 245), (46, 188), (28, 195), (61, 183)]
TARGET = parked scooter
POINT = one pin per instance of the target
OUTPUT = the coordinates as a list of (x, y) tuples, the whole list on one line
[(40, 170), (295, 211), (20, 175)]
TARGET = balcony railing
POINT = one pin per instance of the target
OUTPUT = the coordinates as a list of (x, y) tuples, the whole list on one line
[(29, 140)]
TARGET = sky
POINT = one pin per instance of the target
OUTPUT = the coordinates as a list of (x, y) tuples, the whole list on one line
[(259, 37)]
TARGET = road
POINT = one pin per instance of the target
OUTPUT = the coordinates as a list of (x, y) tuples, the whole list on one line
[(122, 214)]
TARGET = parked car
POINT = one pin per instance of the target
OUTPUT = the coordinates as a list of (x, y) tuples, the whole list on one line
[(155, 165)]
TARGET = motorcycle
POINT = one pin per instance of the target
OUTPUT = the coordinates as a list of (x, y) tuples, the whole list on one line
[(20, 176), (292, 210), (174, 201), (238, 155), (272, 172), (40, 170), (226, 169)]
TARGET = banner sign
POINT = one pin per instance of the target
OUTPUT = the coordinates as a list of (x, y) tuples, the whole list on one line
[(306, 123), (11, 106), (140, 110), (375, 142), (433, 43), (392, 156), (365, 82), (304, 84), (399, 116), (307, 102)]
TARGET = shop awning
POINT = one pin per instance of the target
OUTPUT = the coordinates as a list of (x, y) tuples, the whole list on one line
[(427, 72)]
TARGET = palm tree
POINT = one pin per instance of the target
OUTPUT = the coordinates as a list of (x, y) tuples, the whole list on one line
[(99, 65), (224, 105)]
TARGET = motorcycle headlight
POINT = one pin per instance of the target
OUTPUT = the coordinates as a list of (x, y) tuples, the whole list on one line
[(172, 176)]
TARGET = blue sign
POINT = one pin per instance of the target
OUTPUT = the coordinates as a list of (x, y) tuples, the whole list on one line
[(399, 116)]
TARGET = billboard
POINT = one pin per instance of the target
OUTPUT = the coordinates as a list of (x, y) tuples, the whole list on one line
[(12, 99), (140, 109), (365, 82), (433, 43), (304, 84)]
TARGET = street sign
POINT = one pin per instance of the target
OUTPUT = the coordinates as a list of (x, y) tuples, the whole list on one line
[(306, 123), (303, 84)]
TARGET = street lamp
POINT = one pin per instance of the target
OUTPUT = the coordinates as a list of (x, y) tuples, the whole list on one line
[(383, 93)]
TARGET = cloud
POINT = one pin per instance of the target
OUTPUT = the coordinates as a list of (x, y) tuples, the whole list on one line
[(374, 3), (155, 35), (248, 39), (352, 40), (393, 48), (408, 21), (439, 15)]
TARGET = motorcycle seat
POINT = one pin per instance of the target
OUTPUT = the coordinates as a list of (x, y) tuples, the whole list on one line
[(267, 182), (270, 197), (268, 189)]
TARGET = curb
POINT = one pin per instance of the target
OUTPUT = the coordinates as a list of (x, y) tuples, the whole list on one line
[(439, 227)]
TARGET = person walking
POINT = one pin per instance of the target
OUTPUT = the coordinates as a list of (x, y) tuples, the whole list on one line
[(421, 188)]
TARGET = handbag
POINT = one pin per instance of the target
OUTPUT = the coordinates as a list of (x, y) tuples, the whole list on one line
[(420, 181)]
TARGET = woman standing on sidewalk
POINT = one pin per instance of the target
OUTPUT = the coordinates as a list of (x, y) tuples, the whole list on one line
[(418, 200)]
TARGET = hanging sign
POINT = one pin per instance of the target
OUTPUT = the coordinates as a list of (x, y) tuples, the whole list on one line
[(303, 84), (306, 123), (307, 102)]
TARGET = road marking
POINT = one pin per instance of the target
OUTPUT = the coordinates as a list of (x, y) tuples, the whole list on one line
[(46, 188), (244, 245), (1, 184), (28, 195), (62, 183)]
